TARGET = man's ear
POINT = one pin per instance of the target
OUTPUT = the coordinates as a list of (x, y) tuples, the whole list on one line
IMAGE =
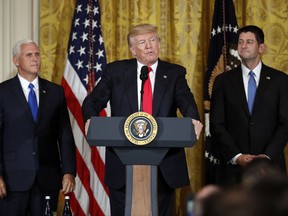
[(15, 61), (261, 48), (132, 49)]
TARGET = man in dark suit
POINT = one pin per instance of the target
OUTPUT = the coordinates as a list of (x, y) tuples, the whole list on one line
[(36, 155), (242, 135), (121, 85)]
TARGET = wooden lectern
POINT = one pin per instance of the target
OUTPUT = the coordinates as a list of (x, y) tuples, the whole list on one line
[(172, 132)]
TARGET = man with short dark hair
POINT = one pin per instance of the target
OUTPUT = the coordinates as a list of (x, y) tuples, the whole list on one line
[(249, 109)]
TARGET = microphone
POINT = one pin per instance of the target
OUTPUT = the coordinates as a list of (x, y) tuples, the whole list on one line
[(144, 73), (143, 77)]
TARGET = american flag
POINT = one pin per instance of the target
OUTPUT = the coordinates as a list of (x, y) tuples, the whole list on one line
[(222, 56), (85, 63)]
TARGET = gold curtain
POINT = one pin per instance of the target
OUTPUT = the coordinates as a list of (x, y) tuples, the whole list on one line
[(184, 27)]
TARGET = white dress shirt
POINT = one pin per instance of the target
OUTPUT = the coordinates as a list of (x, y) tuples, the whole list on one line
[(152, 76), (26, 89)]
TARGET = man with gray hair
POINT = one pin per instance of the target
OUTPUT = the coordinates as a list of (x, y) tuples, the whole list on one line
[(37, 148)]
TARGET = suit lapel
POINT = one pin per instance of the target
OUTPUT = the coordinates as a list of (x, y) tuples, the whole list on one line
[(18, 91), (42, 98), (160, 86), (265, 79), (237, 80), (130, 80)]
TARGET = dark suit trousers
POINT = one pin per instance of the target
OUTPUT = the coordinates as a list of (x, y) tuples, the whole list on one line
[(24, 203)]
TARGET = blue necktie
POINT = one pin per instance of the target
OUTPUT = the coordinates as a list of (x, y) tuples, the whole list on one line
[(251, 90), (32, 101)]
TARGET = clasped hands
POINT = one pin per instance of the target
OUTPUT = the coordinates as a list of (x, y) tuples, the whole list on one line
[(244, 159)]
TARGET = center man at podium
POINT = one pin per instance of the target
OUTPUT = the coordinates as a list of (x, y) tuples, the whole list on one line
[(121, 84)]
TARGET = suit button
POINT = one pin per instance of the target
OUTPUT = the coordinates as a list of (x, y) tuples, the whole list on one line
[(251, 123), (33, 153)]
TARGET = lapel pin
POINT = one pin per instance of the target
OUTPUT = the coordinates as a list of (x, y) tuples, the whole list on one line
[(268, 78), (165, 77), (44, 91)]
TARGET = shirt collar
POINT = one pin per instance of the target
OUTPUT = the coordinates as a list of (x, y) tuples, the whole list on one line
[(25, 83), (256, 70), (140, 65)]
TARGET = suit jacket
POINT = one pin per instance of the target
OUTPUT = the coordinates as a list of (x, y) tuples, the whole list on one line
[(234, 130), (43, 150), (119, 85)]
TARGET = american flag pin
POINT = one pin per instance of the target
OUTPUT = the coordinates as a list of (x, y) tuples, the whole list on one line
[(268, 78), (165, 77)]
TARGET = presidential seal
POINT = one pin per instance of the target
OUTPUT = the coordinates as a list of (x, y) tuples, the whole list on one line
[(140, 128)]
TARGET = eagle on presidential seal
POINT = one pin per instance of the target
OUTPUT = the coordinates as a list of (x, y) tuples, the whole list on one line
[(140, 128)]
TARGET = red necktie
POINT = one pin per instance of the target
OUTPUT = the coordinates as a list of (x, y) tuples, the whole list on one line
[(147, 94)]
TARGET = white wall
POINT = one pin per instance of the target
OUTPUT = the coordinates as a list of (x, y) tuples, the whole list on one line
[(18, 19)]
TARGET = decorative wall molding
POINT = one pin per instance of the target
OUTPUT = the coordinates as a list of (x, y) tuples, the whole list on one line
[(18, 19)]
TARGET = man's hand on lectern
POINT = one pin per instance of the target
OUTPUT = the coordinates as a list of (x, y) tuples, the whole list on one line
[(197, 127), (87, 126)]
